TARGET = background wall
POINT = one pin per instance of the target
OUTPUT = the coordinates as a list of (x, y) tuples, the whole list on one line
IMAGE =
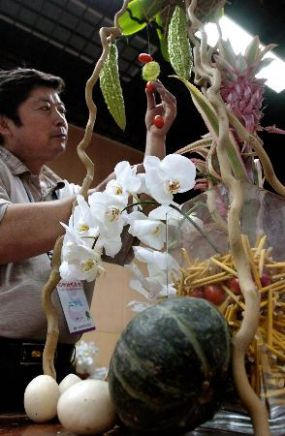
[(104, 153), (112, 293)]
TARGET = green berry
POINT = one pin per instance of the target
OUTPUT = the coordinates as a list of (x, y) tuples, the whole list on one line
[(150, 71)]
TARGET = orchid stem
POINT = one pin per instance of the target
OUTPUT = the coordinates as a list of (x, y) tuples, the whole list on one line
[(187, 217), (139, 203)]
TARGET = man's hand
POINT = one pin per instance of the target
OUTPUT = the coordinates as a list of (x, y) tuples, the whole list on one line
[(155, 137), (166, 107)]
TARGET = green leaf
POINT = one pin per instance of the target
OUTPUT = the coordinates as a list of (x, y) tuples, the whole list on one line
[(211, 120), (252, 51), (227, 52), (204, 107), (138, 14)]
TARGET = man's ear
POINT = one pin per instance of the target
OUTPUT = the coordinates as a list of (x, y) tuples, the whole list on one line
[(4, 125)]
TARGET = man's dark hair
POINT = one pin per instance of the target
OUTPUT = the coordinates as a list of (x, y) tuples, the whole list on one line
[(16, 86)]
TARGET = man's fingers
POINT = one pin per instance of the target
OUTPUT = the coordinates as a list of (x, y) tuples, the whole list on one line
[(150, 99), (164, 93)]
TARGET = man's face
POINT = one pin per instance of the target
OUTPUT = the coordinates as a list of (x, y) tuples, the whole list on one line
[(43, 133)]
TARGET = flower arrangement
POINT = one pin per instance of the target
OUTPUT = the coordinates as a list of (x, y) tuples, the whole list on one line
[(96, 225), (229, 98)]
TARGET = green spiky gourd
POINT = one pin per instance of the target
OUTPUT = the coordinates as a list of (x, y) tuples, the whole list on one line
[(179, 50), (111, 87)]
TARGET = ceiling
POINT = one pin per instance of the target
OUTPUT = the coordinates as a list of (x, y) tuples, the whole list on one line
[(61, 37)]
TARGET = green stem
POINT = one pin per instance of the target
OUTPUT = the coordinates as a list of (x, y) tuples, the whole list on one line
[(139, 203)]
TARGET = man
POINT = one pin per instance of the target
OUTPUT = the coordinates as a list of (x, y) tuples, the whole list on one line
[(34, 131)]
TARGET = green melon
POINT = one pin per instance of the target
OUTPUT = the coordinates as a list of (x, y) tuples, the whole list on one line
[(168, 364)]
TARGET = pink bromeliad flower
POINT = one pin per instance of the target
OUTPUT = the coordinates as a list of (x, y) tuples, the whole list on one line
[(241, 90)]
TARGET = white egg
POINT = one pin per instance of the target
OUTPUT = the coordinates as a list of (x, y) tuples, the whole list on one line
[(86, 407), (67, 382), (40, 398)]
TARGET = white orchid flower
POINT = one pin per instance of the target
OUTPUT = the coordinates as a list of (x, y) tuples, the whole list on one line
[(150, 231), (72, 238), (127, 177), (165, 212), (80, 263), (158, 264), (152, 287), (172, 216), (111, 245), (143, 189), (114, 188), (174, 174), (68, 190), (147, 286), (126, 182), (79, 260), (82, 221), (162, 267), (107, 212)]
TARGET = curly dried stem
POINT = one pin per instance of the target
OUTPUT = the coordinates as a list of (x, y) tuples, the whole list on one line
[(211, 193), (212, 152), (51, 312), (107, 35), (194, 146), (257, 145), (212, 206), (249, 324)]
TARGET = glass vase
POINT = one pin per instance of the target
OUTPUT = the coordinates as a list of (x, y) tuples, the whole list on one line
[(200, 247)]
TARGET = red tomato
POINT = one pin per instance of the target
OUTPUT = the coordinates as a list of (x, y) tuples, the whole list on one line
[(214, 294), (233, 284), (144, 58), (198, 293), (265, 280), (150, 86), (158, 121)]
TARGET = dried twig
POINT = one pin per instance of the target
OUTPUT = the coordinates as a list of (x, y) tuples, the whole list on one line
[(107, 35), (249, 325)]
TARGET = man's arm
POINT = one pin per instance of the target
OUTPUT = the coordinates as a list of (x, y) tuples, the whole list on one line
[(28, 230), (155, 137)]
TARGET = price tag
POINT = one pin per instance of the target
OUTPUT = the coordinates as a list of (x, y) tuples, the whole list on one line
[(75, 306)]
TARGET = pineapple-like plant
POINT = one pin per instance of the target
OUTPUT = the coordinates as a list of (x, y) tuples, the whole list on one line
[(240, 89)]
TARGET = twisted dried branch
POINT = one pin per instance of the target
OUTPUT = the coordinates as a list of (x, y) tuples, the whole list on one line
[(107, 35), (257, 145), (249, 324)]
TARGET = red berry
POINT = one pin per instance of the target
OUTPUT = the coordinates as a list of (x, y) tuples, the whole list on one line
[(144, 58), (265, 280), (150, 86), (158, 121), (233, 284), (198, 293), (214, 294)]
